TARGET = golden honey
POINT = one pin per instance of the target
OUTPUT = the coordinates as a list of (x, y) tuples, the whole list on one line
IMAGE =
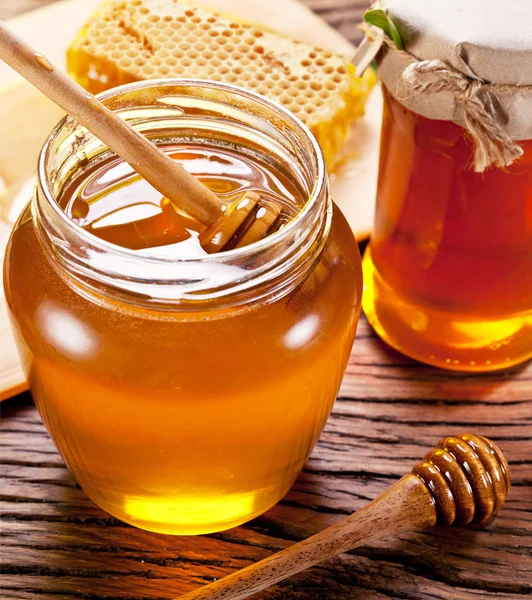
[(184, 391), (448, 275)]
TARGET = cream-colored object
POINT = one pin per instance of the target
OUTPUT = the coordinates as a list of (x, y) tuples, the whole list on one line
[(482, 39), (130, 40), (28, 117)]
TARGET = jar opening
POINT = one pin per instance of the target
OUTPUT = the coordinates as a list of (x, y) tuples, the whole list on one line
[(171, 111)]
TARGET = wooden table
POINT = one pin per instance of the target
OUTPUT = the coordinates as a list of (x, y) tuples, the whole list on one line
[(57, 545)]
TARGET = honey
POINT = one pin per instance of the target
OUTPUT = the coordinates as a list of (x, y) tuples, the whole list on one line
[(116, 205), (448, 275), (185, 392)]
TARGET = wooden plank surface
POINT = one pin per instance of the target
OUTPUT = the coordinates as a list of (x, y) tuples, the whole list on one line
[(57, 545)]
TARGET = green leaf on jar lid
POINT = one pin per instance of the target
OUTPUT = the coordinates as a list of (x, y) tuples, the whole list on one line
[(379, 18)]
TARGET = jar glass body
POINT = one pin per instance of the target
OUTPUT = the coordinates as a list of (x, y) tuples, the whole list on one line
[(448, 275), (181, 403)]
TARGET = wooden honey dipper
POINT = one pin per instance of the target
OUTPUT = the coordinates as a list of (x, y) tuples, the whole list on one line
[(465, 479), (246, 217)]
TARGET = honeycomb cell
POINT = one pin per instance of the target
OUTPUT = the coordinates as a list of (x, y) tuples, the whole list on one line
[(171, 38)]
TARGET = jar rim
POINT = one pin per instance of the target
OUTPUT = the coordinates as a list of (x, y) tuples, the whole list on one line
[(261, 245), (166, 278)]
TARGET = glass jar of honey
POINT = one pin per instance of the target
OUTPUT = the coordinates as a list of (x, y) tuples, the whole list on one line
[(185, 391), (448, 274)]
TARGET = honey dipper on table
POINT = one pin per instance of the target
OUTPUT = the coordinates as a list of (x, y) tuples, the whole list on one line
[(465, 479), (244, 221)]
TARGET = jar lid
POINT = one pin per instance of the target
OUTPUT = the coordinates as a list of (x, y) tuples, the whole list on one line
[(456, 52)]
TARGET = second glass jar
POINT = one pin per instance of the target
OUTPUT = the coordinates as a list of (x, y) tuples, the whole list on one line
[(448, 274)]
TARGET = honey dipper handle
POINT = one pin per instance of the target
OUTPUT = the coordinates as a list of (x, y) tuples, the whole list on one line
[(406, 505), (163, 173)]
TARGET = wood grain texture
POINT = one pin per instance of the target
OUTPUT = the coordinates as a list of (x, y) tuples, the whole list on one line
[(58, 546)]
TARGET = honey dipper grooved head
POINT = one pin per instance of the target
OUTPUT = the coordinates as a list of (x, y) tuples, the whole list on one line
[(468, 478)]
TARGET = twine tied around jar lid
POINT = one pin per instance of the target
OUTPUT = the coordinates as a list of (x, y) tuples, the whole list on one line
[(477, 100)]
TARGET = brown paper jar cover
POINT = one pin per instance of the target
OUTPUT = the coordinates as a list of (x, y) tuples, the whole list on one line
[(486, 40)]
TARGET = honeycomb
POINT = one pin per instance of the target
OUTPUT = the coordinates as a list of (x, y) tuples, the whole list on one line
[(130, 40)]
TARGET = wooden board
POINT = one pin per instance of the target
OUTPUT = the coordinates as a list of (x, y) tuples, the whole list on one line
[(57, 544), (27, 117)]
